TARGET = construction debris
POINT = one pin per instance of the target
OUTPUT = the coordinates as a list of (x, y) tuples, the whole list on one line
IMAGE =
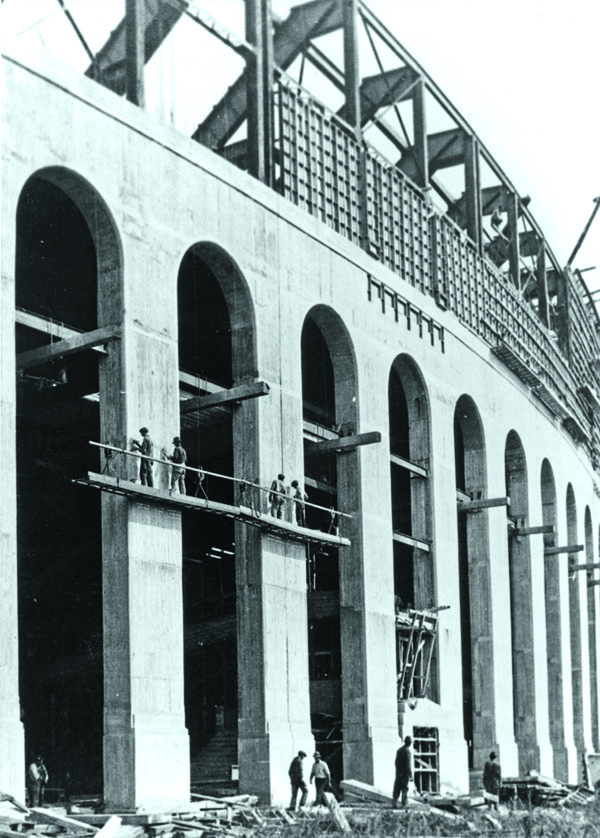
[(366, 809)]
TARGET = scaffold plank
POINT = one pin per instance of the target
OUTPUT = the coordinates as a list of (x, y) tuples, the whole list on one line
[(274, 526)]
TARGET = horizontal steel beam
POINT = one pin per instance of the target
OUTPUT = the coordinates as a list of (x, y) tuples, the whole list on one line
[(234, 394), (67, 346)]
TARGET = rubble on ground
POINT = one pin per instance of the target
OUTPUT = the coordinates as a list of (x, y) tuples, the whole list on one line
[(532, 805)]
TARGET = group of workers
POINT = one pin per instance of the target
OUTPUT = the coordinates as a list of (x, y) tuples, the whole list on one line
[(178, 458), (278, 495), (277, 492), (492, 778)]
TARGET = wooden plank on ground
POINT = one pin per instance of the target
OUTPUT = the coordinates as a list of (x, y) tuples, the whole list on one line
[(338, 817), (20, 806), (111, 827), (48, 816), (365, 791)]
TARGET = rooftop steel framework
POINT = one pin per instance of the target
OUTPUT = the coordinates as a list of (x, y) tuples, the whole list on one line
[(480, 253)]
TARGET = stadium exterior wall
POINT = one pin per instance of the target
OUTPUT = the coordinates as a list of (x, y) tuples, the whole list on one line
[(165, 193)]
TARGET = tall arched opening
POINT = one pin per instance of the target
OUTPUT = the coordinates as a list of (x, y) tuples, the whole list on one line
[(329, 409), (67, 272), (553, 627), (413, 550), (216, 335), (521, 613), (591, 616), (475, 585), (575, 631)]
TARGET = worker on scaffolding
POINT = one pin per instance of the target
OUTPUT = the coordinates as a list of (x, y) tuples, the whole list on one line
[(277, 496), (146, 447), (300, 497), (179, 459)]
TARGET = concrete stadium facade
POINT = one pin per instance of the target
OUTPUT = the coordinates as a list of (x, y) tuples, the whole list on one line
[(149, 196)]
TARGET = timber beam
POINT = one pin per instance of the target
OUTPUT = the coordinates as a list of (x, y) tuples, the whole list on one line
[(67, 346), (345, 444), (234, 394), (545, 528), (418, 471), (593, 582), (568, 548), (402, 538), (587, 566), (487, 503)]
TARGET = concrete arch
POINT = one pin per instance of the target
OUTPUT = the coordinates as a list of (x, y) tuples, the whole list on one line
[(103, 230), (329, 396), (344, 367), (591, 619), (217, 348), (479, 715), (521, 609), (575, 630), (410, 476), (553, 627), (240, 306), (68, 271)]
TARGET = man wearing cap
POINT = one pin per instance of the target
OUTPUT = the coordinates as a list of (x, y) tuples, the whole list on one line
[(322, 778), (145, 448), (492, 780), (179, 459), (297, 780)]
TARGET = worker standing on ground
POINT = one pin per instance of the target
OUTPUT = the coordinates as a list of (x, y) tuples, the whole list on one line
[(33, 783), (146, 447), (277, 496), (492, 780), (300, 497), (179, 459), (404, 773), (43, 778), (296, 773), (322, 778)]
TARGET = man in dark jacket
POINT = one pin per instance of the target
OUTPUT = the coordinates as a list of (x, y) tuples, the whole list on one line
[(492, 780), (297, 780), (146, 447), (404, 772)]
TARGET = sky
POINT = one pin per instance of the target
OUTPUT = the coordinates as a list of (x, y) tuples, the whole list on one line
[(523, 73)]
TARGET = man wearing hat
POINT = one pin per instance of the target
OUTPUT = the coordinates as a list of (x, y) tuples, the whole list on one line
[(492, 780), (145, 448), (179, 459), (297, 780), (322, 778)]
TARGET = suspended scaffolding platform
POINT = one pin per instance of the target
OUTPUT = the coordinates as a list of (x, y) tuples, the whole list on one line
[(246, 514)]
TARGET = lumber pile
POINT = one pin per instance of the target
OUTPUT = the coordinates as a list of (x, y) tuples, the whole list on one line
[(539, 790)]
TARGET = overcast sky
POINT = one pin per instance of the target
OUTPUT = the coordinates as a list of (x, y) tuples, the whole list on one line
[(524, 74)]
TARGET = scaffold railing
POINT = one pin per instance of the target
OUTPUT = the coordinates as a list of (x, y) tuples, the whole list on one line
[(122, 478)]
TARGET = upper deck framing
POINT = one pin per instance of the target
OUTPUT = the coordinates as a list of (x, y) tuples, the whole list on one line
[(480, 254)]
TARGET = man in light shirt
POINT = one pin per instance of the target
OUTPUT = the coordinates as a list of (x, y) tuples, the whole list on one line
[(322, 778)]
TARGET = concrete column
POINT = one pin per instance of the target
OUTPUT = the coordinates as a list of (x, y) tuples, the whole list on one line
[(272, 625), (146, 748), (12, 761)]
